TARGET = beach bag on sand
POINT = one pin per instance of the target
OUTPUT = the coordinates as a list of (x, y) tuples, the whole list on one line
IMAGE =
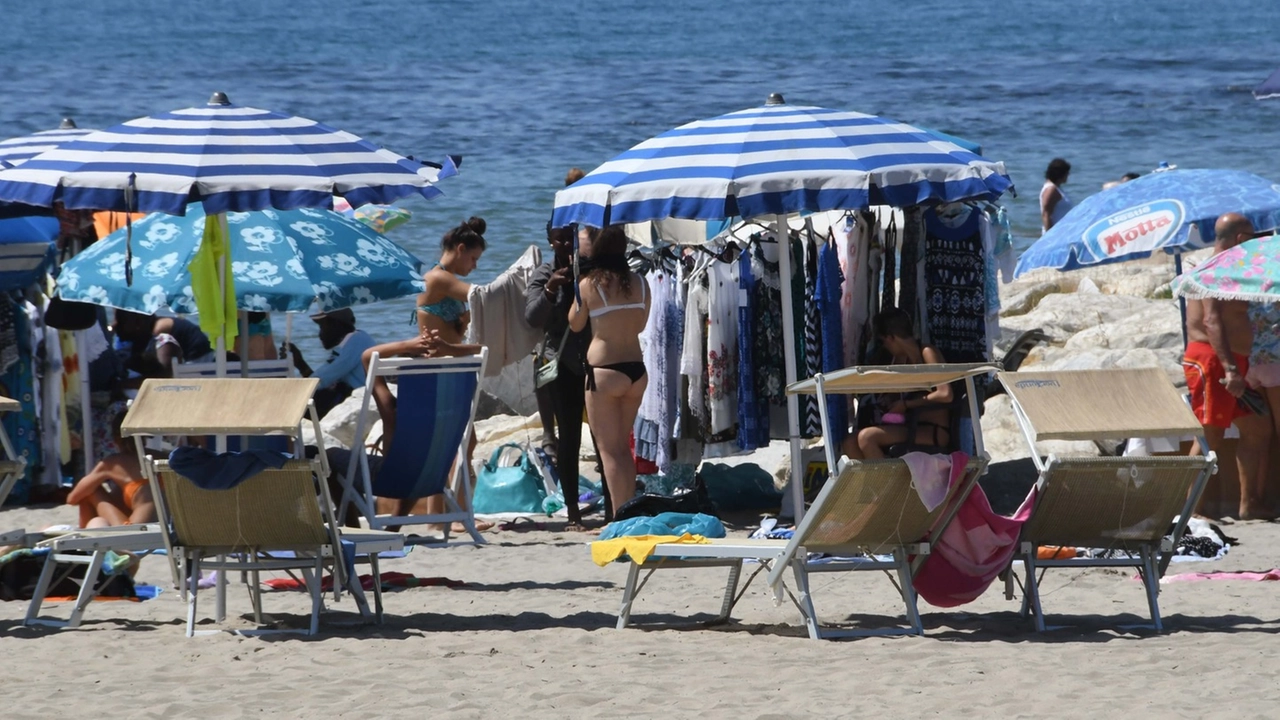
[(509, 488), (690, 501)]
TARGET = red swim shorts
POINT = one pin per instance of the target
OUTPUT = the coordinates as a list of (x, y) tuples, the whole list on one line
[(1210, 401)]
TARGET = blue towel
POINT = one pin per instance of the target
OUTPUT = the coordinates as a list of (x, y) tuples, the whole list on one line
[(212, 471), (667, 523)]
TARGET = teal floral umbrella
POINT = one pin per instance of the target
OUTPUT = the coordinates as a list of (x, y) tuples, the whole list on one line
[(1249, 271), (280, 261)]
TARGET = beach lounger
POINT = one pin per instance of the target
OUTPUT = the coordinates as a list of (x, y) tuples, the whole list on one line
[(277, 519), (90, 549), (435, 407), (1123, 505), (868, 517), (11, 466)]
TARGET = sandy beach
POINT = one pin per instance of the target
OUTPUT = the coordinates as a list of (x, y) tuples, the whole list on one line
[(531, 633)]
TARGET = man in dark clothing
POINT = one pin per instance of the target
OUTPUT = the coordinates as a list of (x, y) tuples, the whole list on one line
[(547, 303), (158, 342)]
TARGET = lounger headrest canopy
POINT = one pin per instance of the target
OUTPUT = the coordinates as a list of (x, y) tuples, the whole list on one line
[(864, 379), (219, 406), (9, 405), (1100, 404)]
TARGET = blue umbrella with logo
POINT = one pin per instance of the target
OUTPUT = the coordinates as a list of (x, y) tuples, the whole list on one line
[(284, 261), (1171, 212)]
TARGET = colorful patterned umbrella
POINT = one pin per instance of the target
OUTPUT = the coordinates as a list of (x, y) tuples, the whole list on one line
[(280, 261), (379, 217), (1249, 271)]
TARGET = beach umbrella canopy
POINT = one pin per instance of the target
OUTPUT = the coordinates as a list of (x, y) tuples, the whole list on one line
[(227, 157), (1249, 271), (15, 151), (282, 260), (778, 159), (1270, 88), (26, 250), (382, 218), (1171, 211)]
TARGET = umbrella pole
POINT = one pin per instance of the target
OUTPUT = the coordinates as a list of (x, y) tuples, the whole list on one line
[(86, 403), (789, 363), (221, 349), (244, 343), (1182, 302)]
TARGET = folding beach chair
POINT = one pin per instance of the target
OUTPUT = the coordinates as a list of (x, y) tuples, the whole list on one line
[(435, 407), (277, 519), (869, 516), (11, 466), (258, 369), (1124, 506), (90, 549)]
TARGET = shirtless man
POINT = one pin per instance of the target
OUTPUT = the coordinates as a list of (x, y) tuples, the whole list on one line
[(1219, 337)]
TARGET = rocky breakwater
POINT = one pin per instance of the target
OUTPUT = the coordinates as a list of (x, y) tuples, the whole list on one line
[(1115, 316)]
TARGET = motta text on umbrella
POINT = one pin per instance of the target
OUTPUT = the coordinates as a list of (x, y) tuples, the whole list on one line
[(1139, 229)]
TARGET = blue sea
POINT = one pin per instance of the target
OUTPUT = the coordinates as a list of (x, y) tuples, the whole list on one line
[(524, 90)]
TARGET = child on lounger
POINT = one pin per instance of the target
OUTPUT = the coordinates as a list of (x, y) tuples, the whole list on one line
[(115, 491)]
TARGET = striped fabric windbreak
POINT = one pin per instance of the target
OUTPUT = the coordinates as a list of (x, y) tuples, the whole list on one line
[(230, 158), (778, 159)]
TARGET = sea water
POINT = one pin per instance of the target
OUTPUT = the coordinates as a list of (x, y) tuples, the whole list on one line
[(524, 90)]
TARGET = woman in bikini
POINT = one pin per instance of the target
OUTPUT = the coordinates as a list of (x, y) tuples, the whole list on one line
[(442, 317), (115, 492), (442, 306), (616, 302), (893, 329)]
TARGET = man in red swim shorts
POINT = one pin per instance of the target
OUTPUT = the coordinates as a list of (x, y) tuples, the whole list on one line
[(1219, 338)]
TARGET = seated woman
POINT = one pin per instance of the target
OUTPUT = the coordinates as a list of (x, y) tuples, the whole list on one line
[(115, 492), (893, 330)]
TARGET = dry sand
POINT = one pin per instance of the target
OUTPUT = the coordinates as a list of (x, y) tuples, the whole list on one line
[(531, 635)]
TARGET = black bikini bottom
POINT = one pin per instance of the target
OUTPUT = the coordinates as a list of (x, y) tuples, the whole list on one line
[(633, 370)]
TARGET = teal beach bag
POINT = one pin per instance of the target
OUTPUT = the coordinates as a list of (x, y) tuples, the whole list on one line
[(511, 488)]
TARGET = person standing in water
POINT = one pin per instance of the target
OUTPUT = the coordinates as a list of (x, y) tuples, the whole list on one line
[(616, 301), (1054, 203)]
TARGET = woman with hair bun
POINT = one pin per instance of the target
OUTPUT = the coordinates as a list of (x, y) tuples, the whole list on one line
[(442, 310)]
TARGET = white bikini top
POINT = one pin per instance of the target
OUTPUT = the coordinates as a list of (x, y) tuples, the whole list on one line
[(644, 293)]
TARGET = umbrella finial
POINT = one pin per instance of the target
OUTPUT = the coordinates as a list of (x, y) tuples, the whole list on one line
[(775, 99), (219, 98), (67, 124)]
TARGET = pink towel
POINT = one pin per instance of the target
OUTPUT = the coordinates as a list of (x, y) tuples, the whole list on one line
[(972, 551)]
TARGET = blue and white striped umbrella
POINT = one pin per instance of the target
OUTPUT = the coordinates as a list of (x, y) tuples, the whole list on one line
[(282, 260), (230, 158), (15, 151), (778, 159)]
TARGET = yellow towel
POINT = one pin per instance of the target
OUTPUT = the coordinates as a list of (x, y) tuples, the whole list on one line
[(637, 547)]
